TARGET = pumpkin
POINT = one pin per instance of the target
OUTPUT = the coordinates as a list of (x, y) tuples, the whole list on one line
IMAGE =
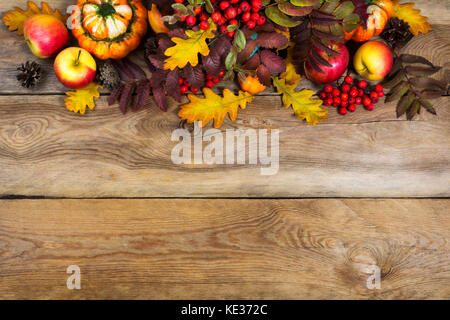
[(109, 28), (380, 11)]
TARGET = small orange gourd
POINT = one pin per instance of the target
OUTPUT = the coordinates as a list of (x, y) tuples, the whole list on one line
[(252, 85), (380, 11), (109, 28)]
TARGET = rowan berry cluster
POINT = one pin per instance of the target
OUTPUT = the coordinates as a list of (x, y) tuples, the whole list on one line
[(349, 95), (227, 14), (185, 86)]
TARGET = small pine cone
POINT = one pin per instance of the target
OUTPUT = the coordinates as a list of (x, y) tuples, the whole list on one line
[(30, 74), (397, 33), (108, 76)]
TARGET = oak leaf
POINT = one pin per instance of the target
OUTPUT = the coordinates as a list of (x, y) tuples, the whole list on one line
[(214, 107), (407, 13), (291, 76), (15, 19), (186, 50), (304, 107), (79, 99)]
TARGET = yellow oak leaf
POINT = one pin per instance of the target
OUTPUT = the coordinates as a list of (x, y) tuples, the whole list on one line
[(186, 50), (407, 13), (15, 19), (214, 106), (79, 99), (291, 76), (304, 107)]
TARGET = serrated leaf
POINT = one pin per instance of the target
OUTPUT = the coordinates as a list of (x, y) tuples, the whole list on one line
[(406, 12), (404, 103), (304, 107), (398, 91), (78, 100), (187, 50), (214, 107)]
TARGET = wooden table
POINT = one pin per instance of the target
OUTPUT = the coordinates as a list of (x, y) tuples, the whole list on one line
[(100, 191)]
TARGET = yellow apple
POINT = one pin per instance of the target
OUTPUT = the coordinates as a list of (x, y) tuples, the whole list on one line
[(373, 60), (75, 68)]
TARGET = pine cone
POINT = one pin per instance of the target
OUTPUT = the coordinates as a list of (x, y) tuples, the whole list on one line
[(30, 74), (397, 33), (108, 76)]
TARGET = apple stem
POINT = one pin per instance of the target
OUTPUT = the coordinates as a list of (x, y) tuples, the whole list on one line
[(78, 58)]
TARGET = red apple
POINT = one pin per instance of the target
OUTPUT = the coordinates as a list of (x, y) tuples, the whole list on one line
[(45, 34), (75, 68), (339, 64)]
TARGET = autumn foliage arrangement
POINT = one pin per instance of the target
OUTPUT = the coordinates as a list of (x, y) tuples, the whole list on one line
[(190, 46)]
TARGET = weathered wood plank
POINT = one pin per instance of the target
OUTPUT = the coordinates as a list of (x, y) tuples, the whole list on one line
[(48, 151), (435, 45), (224, 249)]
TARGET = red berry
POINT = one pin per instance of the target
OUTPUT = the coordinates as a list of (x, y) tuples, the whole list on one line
[(328, 89), (336, 92), (197, 10), (184, 89), (360, 92), (231, 13), (181, 81), (257, 5), (221, 74), (345, 88), (354, 93), (216, 17), (381, 94), (373, 95), (367, 101), (194, 90), (231, 34), (344, 96), (245, 6), (351, 100), (323, 95), (343, 111), (328, 102), (191, 20), (378, 88), (216, 80), (362, 84), (224, 5), (204, 25), (337, 100), (344, 104), (209, 84), (251, 24), (246, 16), (369, 107), (352, 108), (358, 100), (348, 80)]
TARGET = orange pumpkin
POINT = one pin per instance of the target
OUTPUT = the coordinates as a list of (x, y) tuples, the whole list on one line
[(109, 28), (380, 11)]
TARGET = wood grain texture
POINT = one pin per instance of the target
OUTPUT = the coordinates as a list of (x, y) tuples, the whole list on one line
[(435, 45), (52, 152), (224, 249)]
